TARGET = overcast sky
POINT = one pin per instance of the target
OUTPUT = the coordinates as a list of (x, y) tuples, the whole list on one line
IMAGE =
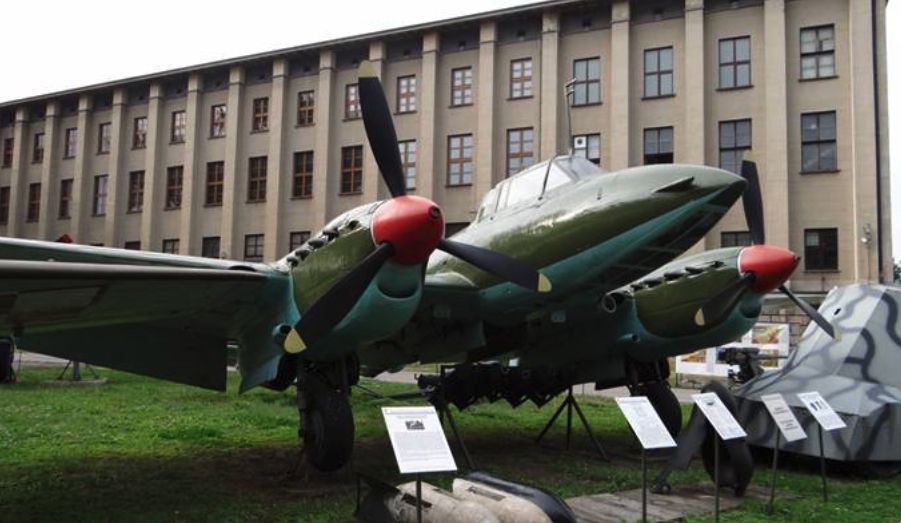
[(48, 46)]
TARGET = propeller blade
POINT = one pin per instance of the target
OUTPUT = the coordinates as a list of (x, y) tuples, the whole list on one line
[(498, 264), (814, 314), (330, 309), (752, 199), (380, 130), (720, 305)]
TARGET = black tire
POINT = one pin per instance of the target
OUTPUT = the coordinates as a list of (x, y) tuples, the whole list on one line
[(736, 462), (6, 361), (328, 433), (666, 404)]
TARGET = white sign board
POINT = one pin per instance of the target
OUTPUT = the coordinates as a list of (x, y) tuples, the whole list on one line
[(418, 440), (822, 411), (645, 422), (784, 417), (718, 415)]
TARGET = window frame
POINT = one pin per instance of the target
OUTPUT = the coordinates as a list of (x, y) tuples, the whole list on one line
[(351, 181), (588, 138), (644, 144), (64, 209), (167, 246), (736, 151), (587, 82), (464, 88), (218, 120), (297, 238), (659, 73), (820, 142), (99, 197), (257, 171), (258, 247), (737, 239), (521, 84), (175, 180), (104, 137), (260, 112), (352, 102), (5, 193), (206, 242), (135, 191), (406, 101), (407, 163), (818, 54), (178, 130), (37, 153), (70, 143), (302, 175), (525, 159), (139, 133), (306, 108), (735, 64), (822, 254), (214, 189), (462, 160), (33, 204), (9, 147)]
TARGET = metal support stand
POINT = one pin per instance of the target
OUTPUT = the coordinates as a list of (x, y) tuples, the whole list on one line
[(644, 487), (769, 509), (571, 404), (823, 464), (444, 412), (76, 371), (716, 477), (418, 498)]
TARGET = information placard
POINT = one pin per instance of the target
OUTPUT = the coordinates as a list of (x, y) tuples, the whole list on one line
[(418, 440), (821, 410), (784, 417), (645, 422), (718, 415)]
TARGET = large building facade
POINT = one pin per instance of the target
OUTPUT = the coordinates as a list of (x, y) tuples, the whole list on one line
[(244, 158)]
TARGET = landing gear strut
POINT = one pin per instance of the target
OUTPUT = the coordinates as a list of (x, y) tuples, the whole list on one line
[(649, 379), (326, 418)]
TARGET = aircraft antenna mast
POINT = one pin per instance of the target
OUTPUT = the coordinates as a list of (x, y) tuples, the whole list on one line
[(569, 92)]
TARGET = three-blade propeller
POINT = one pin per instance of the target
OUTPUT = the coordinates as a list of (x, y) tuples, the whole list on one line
[(763, 268), (406, 229)]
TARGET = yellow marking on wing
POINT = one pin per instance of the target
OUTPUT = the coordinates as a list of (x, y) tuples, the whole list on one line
[(699, 318), (293, 343), (544, 284)]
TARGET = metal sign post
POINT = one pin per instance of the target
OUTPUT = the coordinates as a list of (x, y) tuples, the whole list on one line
[(418, 498), (769, 508), (644, 486), (725, 426), (823, 464), (716, 477), (827, 419), (787, 426)]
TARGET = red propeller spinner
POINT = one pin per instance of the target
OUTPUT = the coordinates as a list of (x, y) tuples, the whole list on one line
[(771, 266), (413, 225)]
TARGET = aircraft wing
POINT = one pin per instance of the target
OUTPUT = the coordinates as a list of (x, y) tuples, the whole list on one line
[(152, 314)]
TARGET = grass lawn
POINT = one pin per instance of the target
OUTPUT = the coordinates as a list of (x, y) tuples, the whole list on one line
[(145, 450)]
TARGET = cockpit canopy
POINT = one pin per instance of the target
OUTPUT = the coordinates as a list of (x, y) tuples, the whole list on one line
[(534, 182)]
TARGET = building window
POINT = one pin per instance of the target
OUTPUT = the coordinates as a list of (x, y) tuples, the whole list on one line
[(171, 246), (406, 94), (217, 121), (8, 146), (139, 133), (34, 202), (37, 155), (461, 86), (735, 139), (818, 143), (253, 247), (209, 247), (658, 145), (408, 160), (306, 106), (98, 207), (587, 86), (352, 169), (303, 175), (256, 179), (588, 146), (260, 115), (818, 52), (104, 138), (459, 159), (215, 181), (70, 143), (174, 181), (351, 101), (132, 246), (65, 198), (4, 205), (298, 238), (519, 150), (521, 78), (735, 239), (735, 62), (179, 127), (658, 72), (135, 191), (821, 249)]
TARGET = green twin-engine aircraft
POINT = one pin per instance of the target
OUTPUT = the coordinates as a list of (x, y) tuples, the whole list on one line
[(381, 287)]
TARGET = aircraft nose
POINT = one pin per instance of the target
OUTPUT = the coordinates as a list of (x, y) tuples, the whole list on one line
[(771, 266)]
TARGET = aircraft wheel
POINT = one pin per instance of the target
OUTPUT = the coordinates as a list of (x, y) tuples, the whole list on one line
[(878, 469), (666, 404), (328, 433)]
